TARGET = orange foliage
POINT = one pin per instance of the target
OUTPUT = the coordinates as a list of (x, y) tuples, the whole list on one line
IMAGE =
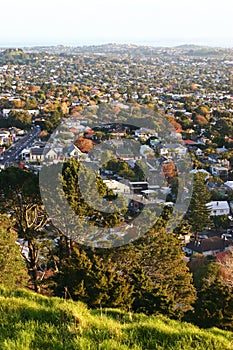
[(169, 169), (83, 144), (199, 119)]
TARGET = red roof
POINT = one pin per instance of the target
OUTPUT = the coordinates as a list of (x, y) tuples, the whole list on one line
[(220, 257), (21, 165), (189, 142)]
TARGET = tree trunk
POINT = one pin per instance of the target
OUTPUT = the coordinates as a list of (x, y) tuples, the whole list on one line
[(33, 259)]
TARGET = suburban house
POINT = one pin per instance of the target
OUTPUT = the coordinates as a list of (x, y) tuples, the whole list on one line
[(4, 137), (25, 154), (208, 246), (219, 171), (117, 186), (32, 112), (74, 151), (203, 171), (125, 153), (229, 185), (198, 152), (174, 150), (138, 186), (145, 133), (36, 154), (146, 151), (219, 208), (50, 154)]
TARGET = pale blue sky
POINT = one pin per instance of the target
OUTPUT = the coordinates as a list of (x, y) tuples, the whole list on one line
[(75, 22)]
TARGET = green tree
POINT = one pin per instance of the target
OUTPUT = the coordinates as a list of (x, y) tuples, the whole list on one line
[(19, 196), (214, 305), (86, 202), (162, 258), (158, 274), (147, 297), (20, 119), (12, 267), (198, 212), (93, 280), (221, 221)]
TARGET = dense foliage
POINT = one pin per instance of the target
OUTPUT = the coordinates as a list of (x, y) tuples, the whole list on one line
[(12, 268)]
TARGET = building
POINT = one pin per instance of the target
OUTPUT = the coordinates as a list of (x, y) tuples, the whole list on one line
[(219, 208), (208, 246), (50, 154), (138, 187), (74, 151), (4, 137), (116, 186), (36, 154), (145, 133), (229, 185), (219, 171)]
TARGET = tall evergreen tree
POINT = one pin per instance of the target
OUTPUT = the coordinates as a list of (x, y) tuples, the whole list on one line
[(158, 273), (93, 280), (214, 305), (198, 212), (163, 260)]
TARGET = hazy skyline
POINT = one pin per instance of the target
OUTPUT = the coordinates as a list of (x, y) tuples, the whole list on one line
[(151, 22)]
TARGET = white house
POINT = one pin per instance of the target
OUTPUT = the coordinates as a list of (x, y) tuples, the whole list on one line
[(36, 154), (203, 171), (145, 151), (4, 137), (219, 208), (50, 154), (173, 149), (74, 151), (145, 133), (219, 171), (25, 154), (117, 186), (229, 184), (198, 152)]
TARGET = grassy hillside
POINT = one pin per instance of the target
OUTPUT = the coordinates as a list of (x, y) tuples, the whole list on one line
[(30, 321)]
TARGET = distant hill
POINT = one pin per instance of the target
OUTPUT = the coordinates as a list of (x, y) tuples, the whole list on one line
[(12, 53), (126, 50), (31, 321), (189, 46), (14, 56)]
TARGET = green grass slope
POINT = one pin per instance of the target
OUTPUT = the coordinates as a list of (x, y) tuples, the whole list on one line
[(30, 321)]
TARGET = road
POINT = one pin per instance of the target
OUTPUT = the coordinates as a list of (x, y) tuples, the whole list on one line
[(12, 154)]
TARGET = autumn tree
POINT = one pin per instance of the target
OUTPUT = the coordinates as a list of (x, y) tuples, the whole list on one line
[(84, 144)]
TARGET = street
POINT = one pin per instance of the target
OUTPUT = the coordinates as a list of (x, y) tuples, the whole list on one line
[(12, 154)]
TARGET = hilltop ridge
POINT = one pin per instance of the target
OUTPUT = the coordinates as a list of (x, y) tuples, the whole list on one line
[(31, 321)]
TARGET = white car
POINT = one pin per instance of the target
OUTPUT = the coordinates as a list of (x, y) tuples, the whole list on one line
[(226, 236)]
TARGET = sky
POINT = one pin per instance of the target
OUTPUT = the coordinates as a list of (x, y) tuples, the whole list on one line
[(152, 22)]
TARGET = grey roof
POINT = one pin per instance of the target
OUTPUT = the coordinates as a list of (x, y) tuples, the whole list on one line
[(37, 151)]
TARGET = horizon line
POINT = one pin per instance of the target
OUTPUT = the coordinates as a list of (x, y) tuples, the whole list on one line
[(139, 44)]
